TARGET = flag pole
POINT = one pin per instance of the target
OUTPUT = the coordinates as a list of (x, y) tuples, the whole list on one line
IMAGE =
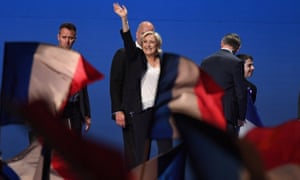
[(46, 151)]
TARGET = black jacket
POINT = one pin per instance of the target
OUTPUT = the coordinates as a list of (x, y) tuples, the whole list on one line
[(227, 70)]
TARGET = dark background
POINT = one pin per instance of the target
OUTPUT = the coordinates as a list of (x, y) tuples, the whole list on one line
[(193, 28)]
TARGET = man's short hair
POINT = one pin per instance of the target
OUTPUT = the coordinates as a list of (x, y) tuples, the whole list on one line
[(69, 26), (233, 40)]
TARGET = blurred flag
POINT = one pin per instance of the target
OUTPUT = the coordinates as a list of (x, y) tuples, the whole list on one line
[(189, 101), (184, 88), (205, 152), (264, 153), (252, 118), (286, 172), (277, 145), (169, 165), (29, 163), (34, 71), (213, 154), (7, 173), (86, 158)]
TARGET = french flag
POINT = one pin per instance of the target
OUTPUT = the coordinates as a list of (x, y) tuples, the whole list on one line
[(33, 71), (186, 89)]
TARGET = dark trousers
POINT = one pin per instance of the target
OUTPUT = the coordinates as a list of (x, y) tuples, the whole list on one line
[(72, 116), (137, 143)]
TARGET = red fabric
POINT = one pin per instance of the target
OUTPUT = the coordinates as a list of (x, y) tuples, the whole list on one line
[(89, 159), (278, 145), (210, 101), (84, 75), (62, 167)]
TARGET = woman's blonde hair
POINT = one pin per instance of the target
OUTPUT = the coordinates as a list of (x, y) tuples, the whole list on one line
[(157, 37)]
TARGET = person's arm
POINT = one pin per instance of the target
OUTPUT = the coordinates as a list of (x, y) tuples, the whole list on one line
[(117, 74), (254, 92), (87, 110), (240, 89), (122, 12), (129, 44)]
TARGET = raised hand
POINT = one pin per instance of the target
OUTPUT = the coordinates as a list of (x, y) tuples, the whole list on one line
[(120, 10)]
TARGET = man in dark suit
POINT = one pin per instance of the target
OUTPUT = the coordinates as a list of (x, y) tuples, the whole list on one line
[(227, 70), (77, 110)]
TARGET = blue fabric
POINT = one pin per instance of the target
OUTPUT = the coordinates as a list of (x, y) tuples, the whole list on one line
[(212, 153), (204, 152), (161, 127), (17, 64), (9, 173), (252, 114), (173, 166)]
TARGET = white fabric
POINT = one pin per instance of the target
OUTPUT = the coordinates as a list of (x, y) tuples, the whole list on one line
[(137, 45), (29, 163), (149, 86), (54, 67)]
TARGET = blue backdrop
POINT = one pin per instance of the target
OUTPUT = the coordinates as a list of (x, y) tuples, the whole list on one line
[(193, 28)]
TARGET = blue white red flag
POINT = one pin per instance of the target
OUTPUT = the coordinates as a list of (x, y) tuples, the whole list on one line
[(170, 165), (88, 158), (213, 153), (205, 152), (189, 101), (34, 71), (184, 88)]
